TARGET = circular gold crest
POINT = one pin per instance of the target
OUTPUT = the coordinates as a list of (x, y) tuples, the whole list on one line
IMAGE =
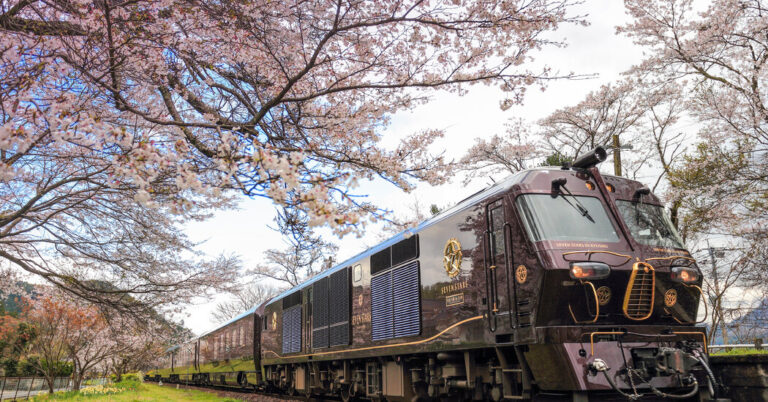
[(521, 274), (670, 298), (452, 257), (360, 299), (603, 295)]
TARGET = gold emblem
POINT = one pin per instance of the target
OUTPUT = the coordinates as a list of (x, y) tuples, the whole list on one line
[(360, 299), (603, 295), (670, 298), (452, 258), (521, 274), (274, 320)]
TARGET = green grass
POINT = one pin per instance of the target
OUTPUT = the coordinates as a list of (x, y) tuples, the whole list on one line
[(220, 367), (130, 391), (740, 352)]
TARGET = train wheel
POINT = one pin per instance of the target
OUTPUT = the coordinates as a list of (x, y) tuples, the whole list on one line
[(346, 393)]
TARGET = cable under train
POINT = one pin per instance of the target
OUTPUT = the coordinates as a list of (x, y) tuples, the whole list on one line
[(555, 284)]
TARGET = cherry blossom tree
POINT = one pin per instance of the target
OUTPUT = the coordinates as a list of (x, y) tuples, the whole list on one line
[(723, 55), (720, 53), (279, 100), (54, 321)]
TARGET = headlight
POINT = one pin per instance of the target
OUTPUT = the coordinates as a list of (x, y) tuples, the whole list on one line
[(684, 274), (589, 270)]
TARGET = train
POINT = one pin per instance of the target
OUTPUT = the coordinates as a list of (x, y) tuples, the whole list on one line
[(557, 283)]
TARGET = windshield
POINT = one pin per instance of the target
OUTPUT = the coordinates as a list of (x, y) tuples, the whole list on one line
[(649, 224), (560, 218)]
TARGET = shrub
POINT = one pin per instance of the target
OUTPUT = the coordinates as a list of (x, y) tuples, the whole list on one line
[(10, 366), (138, 377)]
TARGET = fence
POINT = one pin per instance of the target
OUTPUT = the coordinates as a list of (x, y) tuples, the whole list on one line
[(13, 388)]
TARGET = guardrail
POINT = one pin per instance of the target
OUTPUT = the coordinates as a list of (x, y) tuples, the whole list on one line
[(13, 388), (758, 344)]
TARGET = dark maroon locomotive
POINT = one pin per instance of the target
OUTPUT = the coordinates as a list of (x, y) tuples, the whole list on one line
[(556, 283)]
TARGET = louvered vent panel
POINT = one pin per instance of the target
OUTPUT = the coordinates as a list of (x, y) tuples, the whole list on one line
[(339, 334), (381, 307), (320, 338), (320, 313), (292, 330), (339, 297), (339, 310), (405, 291), (286, 332), (320, 303), (296, 330)]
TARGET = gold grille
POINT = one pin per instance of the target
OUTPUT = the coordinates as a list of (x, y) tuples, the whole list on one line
[(638, 300)]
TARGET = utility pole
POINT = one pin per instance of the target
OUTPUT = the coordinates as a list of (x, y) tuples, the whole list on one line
[(616, 155), (718, 302)]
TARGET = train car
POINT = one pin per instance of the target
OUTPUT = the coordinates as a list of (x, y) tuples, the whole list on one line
[(225, 356), (555, 283)]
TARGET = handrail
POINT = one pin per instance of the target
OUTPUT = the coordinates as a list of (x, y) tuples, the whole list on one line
[(509, 260), (492, 324), (597, 306)]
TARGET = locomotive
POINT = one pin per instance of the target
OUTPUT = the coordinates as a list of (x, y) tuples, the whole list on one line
[(554, 284)]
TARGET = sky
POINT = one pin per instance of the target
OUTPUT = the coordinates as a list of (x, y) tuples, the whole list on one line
[(592, 50)]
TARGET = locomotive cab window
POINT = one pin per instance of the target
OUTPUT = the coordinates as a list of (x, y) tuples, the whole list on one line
[(566, 217), (649, 224)]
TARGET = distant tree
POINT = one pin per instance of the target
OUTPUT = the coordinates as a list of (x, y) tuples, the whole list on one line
[(137, 344), (243, 298), (605, 117), (501, 155), (298, 261), (556, 159), (434, 209)]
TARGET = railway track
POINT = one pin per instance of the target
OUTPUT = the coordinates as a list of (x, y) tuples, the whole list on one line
[(247, 394)]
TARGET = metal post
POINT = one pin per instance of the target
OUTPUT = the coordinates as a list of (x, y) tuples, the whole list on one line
[(31, 383), (16, 392), (2, 389), (759, 343)]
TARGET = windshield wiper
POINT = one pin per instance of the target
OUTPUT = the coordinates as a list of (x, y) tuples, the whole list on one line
[(557, 184)]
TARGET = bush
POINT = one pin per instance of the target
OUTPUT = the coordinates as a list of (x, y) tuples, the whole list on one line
[(138, 377), (10, 366)]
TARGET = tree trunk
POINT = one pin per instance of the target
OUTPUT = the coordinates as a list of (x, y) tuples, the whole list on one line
[(49, 381), (76, 381)]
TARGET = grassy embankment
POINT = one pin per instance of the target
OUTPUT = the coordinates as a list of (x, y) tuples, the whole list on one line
[(219, 367), (740, 352), (131, 391)]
